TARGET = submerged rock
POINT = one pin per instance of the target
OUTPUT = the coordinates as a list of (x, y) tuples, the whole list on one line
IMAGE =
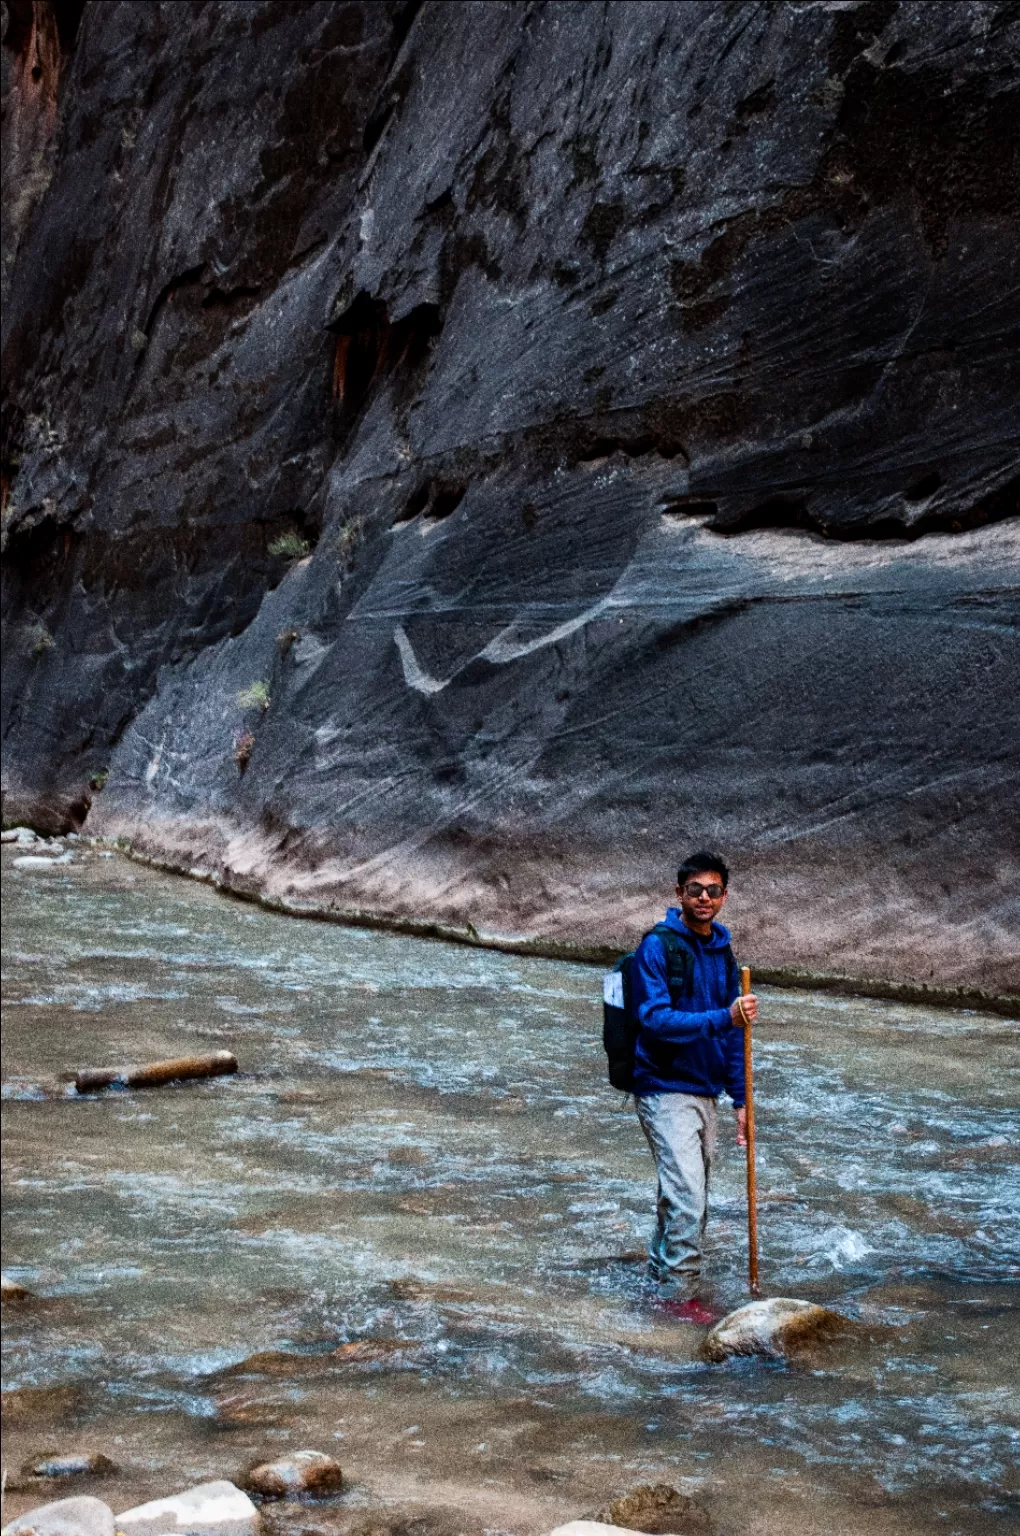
[(93, 1464), (305, 1472), (777, 1327), (44, 1406), (211, 1509), (658, 1508), (65, 1517)]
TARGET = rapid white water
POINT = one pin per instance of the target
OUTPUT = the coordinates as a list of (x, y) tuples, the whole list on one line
[(421, 1154)]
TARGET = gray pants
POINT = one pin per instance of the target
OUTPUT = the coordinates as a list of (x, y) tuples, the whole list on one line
[(681, 1129)]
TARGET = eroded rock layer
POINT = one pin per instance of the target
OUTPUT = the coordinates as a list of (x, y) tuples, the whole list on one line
[(458, 456)]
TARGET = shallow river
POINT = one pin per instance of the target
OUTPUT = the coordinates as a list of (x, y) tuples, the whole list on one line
[(421, 1155)]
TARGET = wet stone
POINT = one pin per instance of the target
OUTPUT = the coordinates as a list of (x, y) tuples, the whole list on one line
[(65, 1517), (311, 1473), (781, 1326), (658, 1508), (210, 1509), (93, 1464)]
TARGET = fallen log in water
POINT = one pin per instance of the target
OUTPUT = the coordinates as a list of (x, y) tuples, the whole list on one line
[(215, 1064)]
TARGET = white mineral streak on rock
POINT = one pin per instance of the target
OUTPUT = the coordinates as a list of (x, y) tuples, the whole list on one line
[(415, 675), (211, 1509), (65, 1517), (773, 1328)]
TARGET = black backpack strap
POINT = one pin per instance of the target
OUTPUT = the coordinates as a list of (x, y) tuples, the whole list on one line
[(679, 961), (732, 972)]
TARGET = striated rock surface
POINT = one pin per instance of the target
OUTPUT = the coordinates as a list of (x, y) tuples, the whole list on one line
[(777, 1327), (457, 457)]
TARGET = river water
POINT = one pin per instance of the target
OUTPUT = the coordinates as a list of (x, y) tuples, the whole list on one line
[(421, 1157)]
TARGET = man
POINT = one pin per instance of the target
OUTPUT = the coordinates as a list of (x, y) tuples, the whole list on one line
[(685, 989)]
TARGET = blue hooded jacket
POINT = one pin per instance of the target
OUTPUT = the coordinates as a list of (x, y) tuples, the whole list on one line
[(679, 1051)]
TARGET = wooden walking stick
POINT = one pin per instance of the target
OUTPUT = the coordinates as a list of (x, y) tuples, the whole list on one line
[(752, 1187)]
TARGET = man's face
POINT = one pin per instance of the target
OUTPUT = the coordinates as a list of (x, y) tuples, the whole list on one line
[(697, 905)]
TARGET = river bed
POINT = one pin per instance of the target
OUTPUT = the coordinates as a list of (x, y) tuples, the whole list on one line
[(421, 1157)]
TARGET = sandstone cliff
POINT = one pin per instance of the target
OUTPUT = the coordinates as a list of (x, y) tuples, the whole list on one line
[(457, 456)]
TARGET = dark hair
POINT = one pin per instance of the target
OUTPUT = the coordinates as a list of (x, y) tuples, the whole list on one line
[(696, 863)]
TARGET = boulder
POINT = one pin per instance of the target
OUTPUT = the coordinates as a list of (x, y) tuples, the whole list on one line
[(65, 1517), (658, 1508), (312, 1473), (210, 1509), (776, 1328), (90, 1464)]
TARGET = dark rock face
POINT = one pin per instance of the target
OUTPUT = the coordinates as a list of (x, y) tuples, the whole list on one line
[(458, 456)]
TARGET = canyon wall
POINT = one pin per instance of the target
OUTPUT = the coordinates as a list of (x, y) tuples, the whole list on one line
[(457, 457)]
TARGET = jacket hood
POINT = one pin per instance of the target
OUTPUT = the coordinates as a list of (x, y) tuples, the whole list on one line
[(718, 939)]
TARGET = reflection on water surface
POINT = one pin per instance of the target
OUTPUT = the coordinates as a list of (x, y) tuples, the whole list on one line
[(421, 1154)]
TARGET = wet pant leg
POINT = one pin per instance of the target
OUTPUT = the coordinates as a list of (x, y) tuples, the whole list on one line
[(681, 1131)]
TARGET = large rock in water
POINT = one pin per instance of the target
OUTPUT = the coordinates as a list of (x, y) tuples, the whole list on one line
[(781, 1326), (65, 1517), (456, 457), (309, 1473), (210, 1509)]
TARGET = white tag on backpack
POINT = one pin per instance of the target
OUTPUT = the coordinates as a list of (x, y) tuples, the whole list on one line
[(612, 989)]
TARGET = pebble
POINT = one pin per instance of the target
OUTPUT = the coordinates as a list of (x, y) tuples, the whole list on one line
[(305, 1472), (774, 1328), (65, 1517), (91, 1465), (210, 1509)]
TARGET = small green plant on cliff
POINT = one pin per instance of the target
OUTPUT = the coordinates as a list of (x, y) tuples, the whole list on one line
[(98, 780), (255, 696), (347, 542), (39, 640), (290, 546)]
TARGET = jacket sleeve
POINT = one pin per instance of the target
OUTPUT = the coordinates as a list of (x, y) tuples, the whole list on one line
[(654, 1010), (734, 1078)]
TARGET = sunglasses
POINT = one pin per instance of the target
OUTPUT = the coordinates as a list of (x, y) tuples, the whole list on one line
[(693, 889)]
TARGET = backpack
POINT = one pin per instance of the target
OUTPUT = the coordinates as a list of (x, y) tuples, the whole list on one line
[(619, 1024)]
